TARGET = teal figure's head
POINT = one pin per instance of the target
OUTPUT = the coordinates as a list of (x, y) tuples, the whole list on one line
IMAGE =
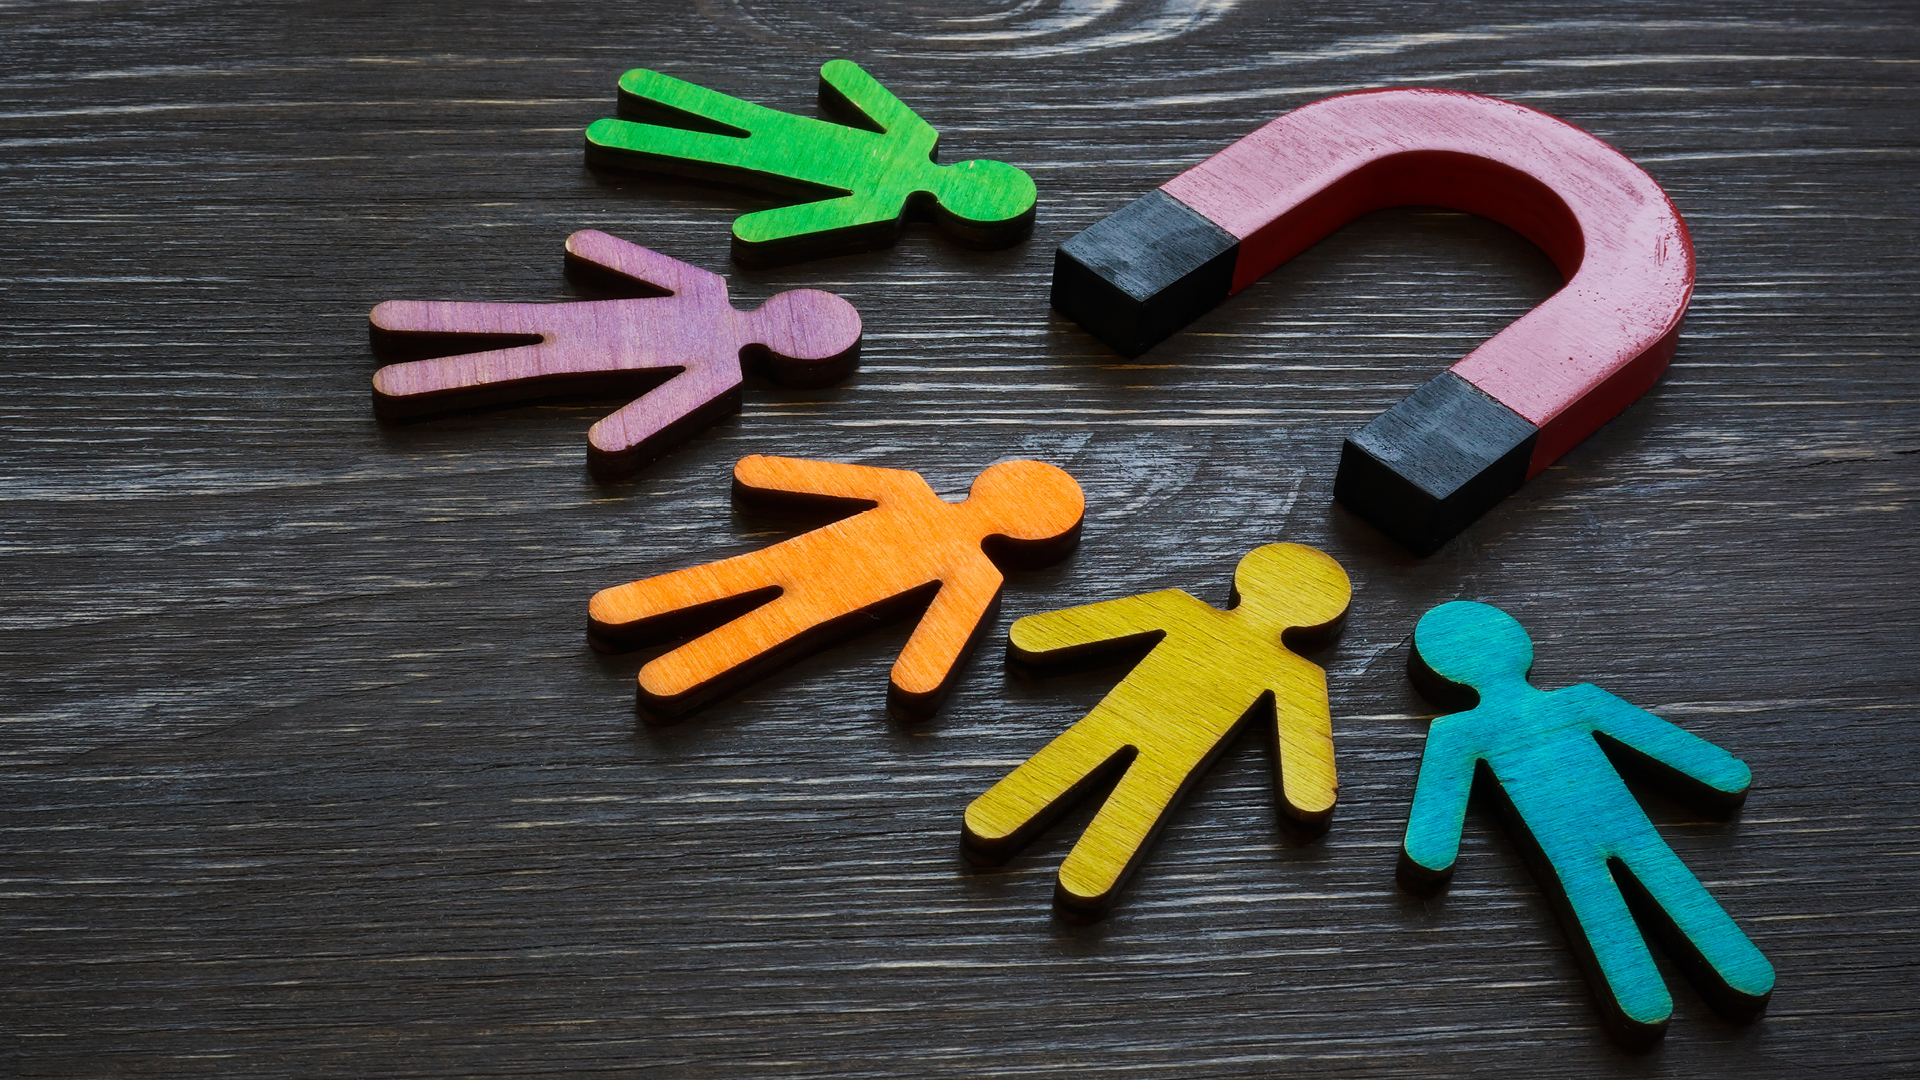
[(985, 193), (1464, 650)]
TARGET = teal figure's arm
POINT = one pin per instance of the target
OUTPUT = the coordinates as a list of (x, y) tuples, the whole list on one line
[(1698, 769), (1439, 806)]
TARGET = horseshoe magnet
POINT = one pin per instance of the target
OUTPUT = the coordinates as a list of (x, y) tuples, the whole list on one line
[(1426, 468)]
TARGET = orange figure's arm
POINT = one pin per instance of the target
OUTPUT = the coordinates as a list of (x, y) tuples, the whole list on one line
[(778, 480), (947, 632)]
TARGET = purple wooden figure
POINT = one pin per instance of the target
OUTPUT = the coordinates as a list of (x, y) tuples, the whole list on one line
[(684, 349)]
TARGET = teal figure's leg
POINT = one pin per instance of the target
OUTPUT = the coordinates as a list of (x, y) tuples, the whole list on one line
[(1696, 931), (1610, 946)]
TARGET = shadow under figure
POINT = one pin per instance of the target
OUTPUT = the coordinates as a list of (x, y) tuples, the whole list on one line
[(1596, 855)]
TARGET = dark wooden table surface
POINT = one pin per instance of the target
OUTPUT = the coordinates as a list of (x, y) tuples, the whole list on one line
[(308, 770)]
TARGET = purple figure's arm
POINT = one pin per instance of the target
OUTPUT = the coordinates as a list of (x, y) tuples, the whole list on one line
[(630, 260)]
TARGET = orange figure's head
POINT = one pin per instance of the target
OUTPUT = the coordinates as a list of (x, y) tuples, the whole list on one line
[(1030, 512)]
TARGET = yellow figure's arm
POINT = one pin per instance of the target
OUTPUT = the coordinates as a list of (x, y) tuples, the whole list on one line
[(1080, 632), (1304, 774)]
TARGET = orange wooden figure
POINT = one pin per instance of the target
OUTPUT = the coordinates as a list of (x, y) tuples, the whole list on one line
[(765, 609)]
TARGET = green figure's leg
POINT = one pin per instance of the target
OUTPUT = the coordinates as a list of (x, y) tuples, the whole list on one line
[(1629, 986), (701, 155), (1696, 931), (831, 227)]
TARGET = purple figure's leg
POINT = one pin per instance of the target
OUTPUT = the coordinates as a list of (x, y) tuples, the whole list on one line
[(707, 391), (577, 348)]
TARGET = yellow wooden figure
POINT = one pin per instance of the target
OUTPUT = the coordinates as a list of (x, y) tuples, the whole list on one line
[(1207, 673)]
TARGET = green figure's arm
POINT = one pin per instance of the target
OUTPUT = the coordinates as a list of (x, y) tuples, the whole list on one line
[(1682, 760), (1082, 633), (845, 87), (1439, 806), (796, 156)]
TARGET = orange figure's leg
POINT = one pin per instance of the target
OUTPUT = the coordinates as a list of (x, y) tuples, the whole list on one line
[(678, 604), (946, 634), (760, 641)]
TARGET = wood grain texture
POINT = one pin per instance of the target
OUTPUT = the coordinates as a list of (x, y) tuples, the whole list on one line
[(860, 176), (1591, 845), (1206, 672), (689, 343), (307, 770), (905, 549)]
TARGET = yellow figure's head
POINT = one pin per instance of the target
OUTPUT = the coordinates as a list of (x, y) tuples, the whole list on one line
[(1292, 587)]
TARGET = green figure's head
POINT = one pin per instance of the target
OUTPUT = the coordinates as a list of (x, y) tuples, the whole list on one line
[(982, 192), (1462, 651)]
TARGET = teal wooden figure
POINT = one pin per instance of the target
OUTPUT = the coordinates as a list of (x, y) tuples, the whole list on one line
[(1597, 856), (860, 178)]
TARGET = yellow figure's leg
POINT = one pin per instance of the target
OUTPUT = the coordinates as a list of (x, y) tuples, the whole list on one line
[(1002, 821), (1113, 844)]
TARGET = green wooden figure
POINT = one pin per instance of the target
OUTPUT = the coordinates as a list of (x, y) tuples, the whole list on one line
[(861, 177), (1599, 859)]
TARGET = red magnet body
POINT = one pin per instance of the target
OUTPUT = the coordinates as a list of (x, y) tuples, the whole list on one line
[(1560, 371)]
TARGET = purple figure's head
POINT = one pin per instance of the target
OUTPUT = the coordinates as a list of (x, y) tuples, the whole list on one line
[(803, 338), (1463, 650)]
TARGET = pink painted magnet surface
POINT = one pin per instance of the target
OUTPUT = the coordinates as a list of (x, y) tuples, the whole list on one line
[(1567, 366), (690, 342)]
